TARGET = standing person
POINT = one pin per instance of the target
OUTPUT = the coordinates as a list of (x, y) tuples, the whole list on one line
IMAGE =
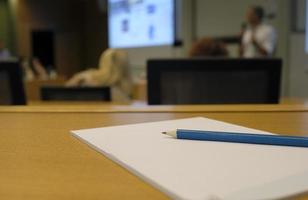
[(258, 39)]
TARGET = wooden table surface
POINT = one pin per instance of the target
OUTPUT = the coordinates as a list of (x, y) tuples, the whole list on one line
[(41, 160)]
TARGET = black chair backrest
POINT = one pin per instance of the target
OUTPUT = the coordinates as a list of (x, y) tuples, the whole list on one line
[(11, 84), (213, 81), (52, 93)]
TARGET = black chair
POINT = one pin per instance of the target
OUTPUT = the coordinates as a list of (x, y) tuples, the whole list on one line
[(11, 84), (52, 93), (213, 81)]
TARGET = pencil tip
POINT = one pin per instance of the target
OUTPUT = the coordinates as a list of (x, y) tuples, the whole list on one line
[(164, 133)]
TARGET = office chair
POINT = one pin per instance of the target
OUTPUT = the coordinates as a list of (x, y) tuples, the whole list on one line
[(213, 81), (55, 93), (11, 84)]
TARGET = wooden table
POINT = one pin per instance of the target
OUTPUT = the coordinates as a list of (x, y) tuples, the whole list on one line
[(41, 160), (284, 101)]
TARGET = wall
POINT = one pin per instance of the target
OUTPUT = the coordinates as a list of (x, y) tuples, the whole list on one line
[(298, 56), (299, 67), (6, 35), (95, 33), (299, 14), (62, 17), (79, 29)]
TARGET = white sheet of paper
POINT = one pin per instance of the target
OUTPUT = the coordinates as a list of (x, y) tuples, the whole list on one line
[(185, 169)]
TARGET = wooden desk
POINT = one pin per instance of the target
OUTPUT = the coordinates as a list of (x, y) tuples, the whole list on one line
[(41, 160), (289, 101)]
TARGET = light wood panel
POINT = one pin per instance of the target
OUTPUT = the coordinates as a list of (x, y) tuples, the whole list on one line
[(142, 107)]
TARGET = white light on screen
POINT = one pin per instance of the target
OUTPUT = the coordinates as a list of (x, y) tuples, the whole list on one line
[(139, 23)]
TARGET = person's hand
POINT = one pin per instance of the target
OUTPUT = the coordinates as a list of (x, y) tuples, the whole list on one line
[(259, 47), (254, 41)]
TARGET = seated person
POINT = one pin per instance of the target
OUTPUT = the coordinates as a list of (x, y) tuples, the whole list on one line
[(112, 72), (208, 47)]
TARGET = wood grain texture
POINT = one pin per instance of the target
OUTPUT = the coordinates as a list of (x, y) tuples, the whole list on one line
[(141, 107), (41, 160)]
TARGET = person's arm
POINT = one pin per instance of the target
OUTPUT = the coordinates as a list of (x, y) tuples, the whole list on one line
[(266, 48), (241, 45), (263, 51)]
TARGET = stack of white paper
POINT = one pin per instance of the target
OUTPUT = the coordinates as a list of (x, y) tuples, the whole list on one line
[(185, 169)]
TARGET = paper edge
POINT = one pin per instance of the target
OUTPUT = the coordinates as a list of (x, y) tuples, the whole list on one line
[(130, 169)]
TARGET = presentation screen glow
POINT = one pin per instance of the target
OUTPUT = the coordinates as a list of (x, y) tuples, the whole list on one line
[(140, 23)]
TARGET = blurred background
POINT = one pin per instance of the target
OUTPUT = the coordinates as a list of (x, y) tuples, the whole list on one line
[(68, 36)]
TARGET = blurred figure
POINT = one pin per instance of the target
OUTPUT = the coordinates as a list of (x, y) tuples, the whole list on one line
[(258, 39), (113, 72), (39, 69), (208, 47), (33, 69), (4, 53)]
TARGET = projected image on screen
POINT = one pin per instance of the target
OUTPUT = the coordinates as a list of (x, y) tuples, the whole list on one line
[(138, 23)]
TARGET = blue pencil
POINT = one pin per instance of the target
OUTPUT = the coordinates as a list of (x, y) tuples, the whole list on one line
[(239, 137)]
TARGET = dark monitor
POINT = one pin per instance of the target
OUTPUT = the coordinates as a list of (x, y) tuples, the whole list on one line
[(213, 81), (11, 84), (55, 93)]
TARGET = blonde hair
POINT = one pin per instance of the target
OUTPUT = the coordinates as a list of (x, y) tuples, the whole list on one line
[(113, 70)]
